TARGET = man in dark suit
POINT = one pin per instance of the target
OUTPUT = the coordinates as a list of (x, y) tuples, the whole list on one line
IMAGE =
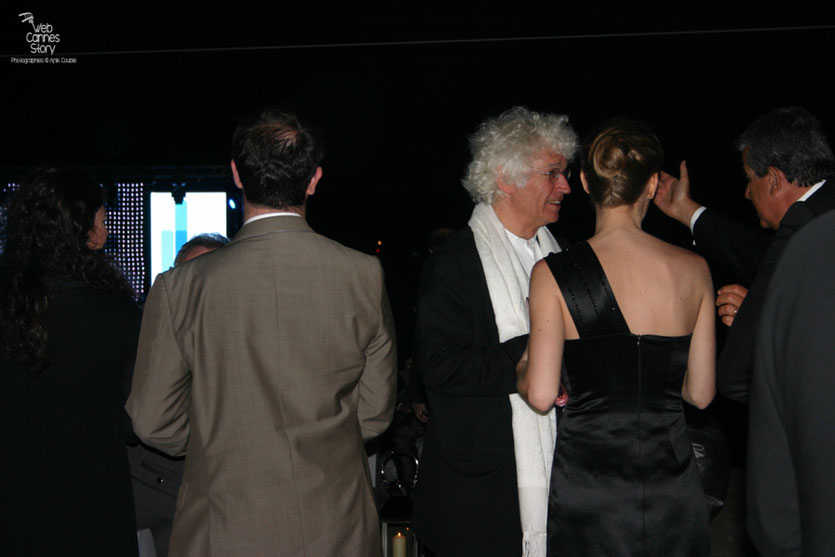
[(471, 331), (787, 162), (790, 491)]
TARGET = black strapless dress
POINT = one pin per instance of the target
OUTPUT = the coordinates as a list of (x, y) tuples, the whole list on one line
[(623, 480)]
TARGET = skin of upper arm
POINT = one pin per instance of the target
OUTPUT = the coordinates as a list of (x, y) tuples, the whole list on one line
[(539, 380), (700, 380)]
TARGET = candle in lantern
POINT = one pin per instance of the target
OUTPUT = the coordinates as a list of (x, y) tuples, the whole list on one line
[(398, 545)]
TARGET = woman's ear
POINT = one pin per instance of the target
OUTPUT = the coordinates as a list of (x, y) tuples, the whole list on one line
[(652, 185), (583, 181)]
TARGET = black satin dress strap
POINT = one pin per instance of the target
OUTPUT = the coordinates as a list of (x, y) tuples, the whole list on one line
[(587, 292)]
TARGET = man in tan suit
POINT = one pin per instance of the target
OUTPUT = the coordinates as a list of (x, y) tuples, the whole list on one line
[(268, 362)]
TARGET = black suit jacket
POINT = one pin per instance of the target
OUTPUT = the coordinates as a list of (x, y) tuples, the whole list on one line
[(753, 254), (466, 501), (790, 490)]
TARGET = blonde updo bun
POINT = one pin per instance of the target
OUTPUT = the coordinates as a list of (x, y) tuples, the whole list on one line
[(619, 162)]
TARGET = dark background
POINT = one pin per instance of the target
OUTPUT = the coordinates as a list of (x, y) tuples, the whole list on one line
[(397, 97)]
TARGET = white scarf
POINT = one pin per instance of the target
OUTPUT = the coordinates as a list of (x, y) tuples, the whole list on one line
[(534, 434)]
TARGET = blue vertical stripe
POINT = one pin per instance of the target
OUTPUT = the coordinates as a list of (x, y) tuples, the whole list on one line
[(167, 251), (181, 224)]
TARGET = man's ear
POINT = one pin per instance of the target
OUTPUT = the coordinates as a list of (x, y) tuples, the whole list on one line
[(311, 187), (776, 180), (235, 176), (505, 186)]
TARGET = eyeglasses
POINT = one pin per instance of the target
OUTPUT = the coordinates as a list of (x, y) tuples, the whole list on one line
[(554, 175)]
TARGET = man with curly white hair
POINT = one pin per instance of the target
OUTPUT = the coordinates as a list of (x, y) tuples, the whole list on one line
[(483, 484)]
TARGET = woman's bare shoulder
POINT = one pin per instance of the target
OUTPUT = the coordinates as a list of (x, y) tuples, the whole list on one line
[(688, 270), (681, 256)]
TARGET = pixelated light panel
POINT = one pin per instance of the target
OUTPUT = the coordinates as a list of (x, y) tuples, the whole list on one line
[(125, 240)]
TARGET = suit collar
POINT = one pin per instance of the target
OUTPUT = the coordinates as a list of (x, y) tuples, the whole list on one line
[(823, 193), (816, 204), (811, 190), (271, 225)]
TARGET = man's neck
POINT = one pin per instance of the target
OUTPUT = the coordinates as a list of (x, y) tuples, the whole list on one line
[(251, 210), (512, 222)]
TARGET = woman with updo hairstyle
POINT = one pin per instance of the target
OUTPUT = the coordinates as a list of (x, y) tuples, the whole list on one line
[(631, 319), (68, 332)]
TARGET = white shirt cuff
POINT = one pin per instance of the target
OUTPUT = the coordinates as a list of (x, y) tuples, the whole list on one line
[(696, 214)]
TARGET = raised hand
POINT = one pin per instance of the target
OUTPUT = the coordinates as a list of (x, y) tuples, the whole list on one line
[(673, 196)]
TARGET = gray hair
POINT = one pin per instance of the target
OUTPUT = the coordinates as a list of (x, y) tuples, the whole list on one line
[(790, 139), (211, 240), (506, 144)]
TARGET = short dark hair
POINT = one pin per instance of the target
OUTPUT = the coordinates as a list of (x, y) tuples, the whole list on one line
[(790, 139), (276, 155), (211, 240), (620, 160)]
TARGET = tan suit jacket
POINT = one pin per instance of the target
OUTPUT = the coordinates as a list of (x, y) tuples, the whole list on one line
[(268, 362)]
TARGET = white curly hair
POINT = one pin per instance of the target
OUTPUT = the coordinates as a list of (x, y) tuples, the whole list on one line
[(509, 141)]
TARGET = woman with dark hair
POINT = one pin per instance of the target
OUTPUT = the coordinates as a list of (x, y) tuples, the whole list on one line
[(632, 318), (68, 332)]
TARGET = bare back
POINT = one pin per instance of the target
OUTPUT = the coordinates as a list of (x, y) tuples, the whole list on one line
[(660, 288)]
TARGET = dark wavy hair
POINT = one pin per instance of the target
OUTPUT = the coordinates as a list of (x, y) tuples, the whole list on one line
[(620, 160), (46, 231), (276, 154)]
